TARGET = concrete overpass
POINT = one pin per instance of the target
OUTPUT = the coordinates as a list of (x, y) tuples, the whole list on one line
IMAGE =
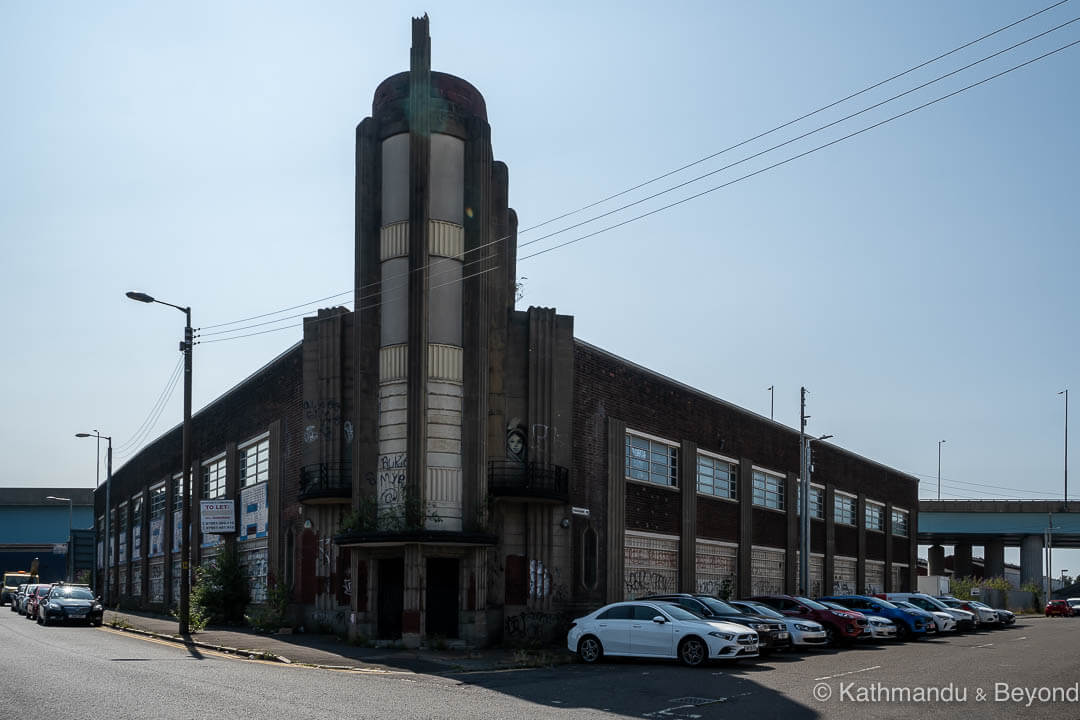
[(995, 525)]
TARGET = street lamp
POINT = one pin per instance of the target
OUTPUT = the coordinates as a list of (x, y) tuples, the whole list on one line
[(108, 500), (804, 512), (1065, 392), (185, 529), (939, 468), (68, 500)]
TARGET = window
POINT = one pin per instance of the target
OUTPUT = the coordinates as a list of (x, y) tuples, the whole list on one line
[(178, 491), (900, 522), (255, 463), (717, 569), (619, 612), (817, 501), (768, 490), (875, 577), (213, 480), (875, 517), (136, 511), (845, 509), (650, 564), (157, 502), (652, 461), (844, 575), (899, 574), (716, 477), (767, 566)]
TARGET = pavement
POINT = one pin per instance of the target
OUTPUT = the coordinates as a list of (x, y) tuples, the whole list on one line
[(330, 651)]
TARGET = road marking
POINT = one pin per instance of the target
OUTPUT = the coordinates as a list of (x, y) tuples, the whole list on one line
[(853, 672), (985, 645)]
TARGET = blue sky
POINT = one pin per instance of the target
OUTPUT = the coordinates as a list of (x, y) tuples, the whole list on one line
[(918, 278)]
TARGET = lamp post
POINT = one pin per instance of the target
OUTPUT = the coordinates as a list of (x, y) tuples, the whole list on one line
[(1065, 392), (185, 529), (108, 500), (772, 397), (68, 500), (805, 488), (939, 468)]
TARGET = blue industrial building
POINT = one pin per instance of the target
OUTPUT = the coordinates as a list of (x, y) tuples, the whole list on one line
[(33, 527)]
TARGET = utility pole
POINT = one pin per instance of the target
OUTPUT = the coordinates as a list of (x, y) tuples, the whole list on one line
[(1065, 392), (939, 469), (772, 396), (804, 500)]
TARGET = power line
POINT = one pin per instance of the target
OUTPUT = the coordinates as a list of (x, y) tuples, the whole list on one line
[(684, 167), (792, 122), (760, 170), (134, 450), (168, 383), (795, 157)]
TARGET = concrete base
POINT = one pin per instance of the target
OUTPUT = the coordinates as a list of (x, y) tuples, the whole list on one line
[(1031, 559), (935, 560), (962, 560), (994, 558)]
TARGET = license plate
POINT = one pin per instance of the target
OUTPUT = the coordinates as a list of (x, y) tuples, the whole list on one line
[(782, 635), (77, 613)]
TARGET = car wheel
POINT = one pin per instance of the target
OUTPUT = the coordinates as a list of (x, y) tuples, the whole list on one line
[(589, 649), (693, 652), (830, 636), (903, 632), (41, 620)]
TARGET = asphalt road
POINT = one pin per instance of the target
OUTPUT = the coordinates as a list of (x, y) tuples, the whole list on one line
[(80, 672)]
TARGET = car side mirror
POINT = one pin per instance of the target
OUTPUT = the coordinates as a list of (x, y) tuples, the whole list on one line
[(659, 620)]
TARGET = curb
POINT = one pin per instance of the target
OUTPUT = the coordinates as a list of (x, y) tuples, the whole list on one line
[(251, 654)]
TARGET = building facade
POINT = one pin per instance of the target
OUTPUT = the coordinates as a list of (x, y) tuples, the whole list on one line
[(436, 463)]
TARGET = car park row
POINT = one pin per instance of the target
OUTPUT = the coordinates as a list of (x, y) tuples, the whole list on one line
[(57, 602), (697, 628)]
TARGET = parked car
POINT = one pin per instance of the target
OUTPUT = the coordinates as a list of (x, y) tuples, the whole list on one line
[(840, 625), (987, 616), (804, 633), (1060, 608), (772, 635), (1074, 603), (12, 581), (16, 598), (34, 598), (70, 602), (661, 630), (24, 601), (964, 620), (910, 623), (1007, 617), (942, 621)]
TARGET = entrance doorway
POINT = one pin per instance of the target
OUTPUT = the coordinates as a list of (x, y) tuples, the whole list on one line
[(391, 598), (442, 597)]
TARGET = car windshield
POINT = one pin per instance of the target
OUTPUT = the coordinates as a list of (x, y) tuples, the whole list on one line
[(763, 610), (43, 590), (74, 593), (15, 580), (833, 605), (811, 604), (679, 614), (884, 603), (952, 603), (934, 602), (719, 606), (982, 605)]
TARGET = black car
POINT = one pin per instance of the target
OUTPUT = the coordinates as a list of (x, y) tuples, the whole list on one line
[(70, 602), (772, 634)]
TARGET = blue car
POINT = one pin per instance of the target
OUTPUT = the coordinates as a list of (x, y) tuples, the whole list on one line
[(910, 624)]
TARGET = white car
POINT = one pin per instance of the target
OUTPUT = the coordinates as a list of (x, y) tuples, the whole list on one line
[(964, 619), (804, 633), (984, 614), (944, 621), (881, 628), (660, 630)]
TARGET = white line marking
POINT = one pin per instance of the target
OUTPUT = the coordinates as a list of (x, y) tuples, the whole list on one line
[(853, 672)]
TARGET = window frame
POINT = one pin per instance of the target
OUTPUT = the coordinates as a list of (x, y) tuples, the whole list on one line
[(880, 507), (219, 467), (672, 460), (733, 472), (839, 496), (261, 465), (907, 522), (778, 479)]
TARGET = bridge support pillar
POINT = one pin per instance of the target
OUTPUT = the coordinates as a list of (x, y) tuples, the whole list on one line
[(935, 560), (962, 560), (1031, 560), (994, 558)]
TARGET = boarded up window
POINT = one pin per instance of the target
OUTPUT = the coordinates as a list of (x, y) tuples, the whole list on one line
[(767, 566), (517, 580), (844, 576), (716, 569), (816, 586), (899, 578), (875, 577), (651, 564)]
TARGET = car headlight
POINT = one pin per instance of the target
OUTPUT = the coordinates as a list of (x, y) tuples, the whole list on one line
[(96, 607), (879, 623), (757, 626), (805, 628), (722, 635)]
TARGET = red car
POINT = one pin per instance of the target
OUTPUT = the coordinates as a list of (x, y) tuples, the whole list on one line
[(840, 625), (33, 599), (1058, 607)]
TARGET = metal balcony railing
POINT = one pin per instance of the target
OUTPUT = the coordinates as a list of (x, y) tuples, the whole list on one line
[(507, 478), (326, 481)]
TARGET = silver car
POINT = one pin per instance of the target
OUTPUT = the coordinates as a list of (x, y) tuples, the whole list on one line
[(804, 633)]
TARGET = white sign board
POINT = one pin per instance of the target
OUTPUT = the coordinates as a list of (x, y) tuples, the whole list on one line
[(217, 517)]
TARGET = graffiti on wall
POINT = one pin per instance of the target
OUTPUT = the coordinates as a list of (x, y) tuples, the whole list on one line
[(322, 417), (641, 582), (391, 479), (532, 625), (516, 442)]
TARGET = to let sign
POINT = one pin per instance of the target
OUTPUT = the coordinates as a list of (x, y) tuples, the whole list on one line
[(218, 517)]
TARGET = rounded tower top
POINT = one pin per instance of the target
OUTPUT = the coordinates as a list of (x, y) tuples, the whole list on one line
[(449, 94)]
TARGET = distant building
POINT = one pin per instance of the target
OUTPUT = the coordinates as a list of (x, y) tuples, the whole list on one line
[(437, 463), (33, 527)]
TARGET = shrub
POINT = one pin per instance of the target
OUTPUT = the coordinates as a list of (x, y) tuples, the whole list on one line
[(220, 593), (274, 615)]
